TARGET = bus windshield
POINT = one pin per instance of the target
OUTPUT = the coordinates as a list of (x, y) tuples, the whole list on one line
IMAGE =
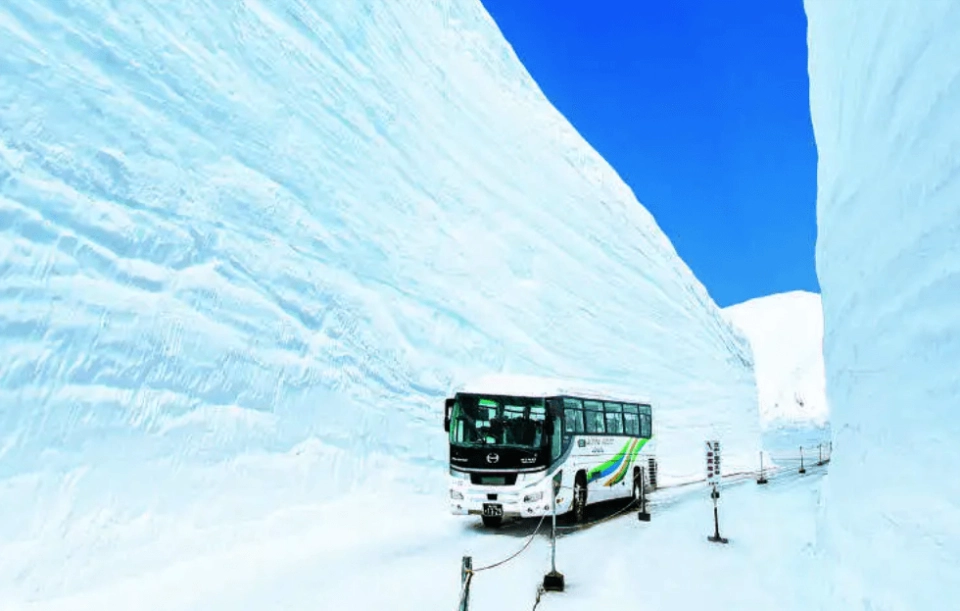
[(479, 421)]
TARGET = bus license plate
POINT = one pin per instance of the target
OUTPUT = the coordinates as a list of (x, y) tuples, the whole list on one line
[(493, 511)]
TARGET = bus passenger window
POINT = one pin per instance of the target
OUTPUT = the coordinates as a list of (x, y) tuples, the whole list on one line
[(594, 417), (572, 417), (613, 419), (595, 422), (645, 426), (572, 421), (631, 424), (614, 424)]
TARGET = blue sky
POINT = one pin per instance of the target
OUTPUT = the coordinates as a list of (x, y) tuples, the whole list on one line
[(703, 108)]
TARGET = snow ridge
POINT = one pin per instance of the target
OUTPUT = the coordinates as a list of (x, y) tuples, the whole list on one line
[(786, 334)]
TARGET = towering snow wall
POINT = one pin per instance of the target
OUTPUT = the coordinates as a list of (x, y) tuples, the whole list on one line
[(885, 99), (247, 248), (786, 334)]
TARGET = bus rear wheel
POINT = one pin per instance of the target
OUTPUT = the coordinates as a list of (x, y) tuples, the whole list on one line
[(492, 521)]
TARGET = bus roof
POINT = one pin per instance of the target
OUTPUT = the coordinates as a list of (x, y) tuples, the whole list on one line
[(534, 386)]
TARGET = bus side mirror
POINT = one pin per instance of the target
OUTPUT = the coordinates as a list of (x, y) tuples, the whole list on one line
[(447, 408)]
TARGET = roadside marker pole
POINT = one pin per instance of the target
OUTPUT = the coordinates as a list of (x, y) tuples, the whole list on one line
[(643, 515), (763, 478), (716, 538), (553, 581), (713, 479), (465, 569)]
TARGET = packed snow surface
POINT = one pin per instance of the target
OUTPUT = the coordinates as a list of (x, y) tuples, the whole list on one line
[(885, 100), (247, 248), (786, 333), (667, 563)]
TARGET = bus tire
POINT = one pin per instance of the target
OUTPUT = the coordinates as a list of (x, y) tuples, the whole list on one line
[(492, 521), (579, 505)]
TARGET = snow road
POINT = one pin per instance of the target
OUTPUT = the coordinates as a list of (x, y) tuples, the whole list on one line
[(771, 531), (360, 552)]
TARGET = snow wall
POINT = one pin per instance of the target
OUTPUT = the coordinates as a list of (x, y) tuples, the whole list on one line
[(786, 335), (247, 248), (885, 100)]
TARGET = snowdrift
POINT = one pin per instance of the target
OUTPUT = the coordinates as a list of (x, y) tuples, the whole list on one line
[(247, 249), (786, 334), (885, 100)]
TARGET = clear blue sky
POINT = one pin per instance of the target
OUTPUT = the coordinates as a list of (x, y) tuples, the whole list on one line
[(702, 107)]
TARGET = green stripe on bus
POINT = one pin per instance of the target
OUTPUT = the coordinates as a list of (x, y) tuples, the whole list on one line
[(616, 479)]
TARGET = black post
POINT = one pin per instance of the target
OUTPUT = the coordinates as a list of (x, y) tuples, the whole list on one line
[(763, 478), (642, 515), (716, 538), (465, 568), (554, 581), (802, 469), (820, 455)]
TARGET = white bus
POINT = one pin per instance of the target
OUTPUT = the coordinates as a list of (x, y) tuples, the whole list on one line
[(510, 436)]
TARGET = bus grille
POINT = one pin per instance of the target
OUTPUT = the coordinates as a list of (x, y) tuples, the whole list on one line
[(493, 479)]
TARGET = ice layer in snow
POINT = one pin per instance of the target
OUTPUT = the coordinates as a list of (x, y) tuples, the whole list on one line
[(246, 249), (786, 333), (885, 101)]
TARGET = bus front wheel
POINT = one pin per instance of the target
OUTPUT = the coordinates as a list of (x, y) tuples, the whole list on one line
[(579, 505)]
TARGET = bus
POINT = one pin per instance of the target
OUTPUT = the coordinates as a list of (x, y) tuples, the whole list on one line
[(508, 442)]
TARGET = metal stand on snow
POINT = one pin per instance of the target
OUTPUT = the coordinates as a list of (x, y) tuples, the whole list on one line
[(465, 569), (802, 469), (716, 538), (763, 478), (643, 515), (553, 581), (713, 480)]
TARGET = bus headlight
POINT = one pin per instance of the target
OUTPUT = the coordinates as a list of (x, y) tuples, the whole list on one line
[(459, 474), (534, 497)]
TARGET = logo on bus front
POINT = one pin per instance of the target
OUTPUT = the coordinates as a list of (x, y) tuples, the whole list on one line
[(493, 458)]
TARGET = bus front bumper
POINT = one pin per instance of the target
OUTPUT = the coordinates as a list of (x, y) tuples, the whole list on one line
[(505, 501)]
